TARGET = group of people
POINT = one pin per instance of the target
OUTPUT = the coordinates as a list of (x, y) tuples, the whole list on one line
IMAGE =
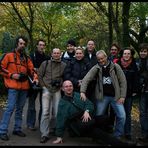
[(86, 84)]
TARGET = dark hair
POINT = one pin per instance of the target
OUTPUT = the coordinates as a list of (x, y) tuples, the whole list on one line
[(143, 46), (20, 37), (71, 42), (40, 40), (116, 45), (127, 48)]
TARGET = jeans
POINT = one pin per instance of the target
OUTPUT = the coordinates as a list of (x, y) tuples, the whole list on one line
[(119, 111), (128, 108), (31, 112), (144, 114), (16, 101), (50, 103)]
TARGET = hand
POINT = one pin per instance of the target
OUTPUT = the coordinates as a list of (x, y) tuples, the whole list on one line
[(86, 117), (36, 82), (58, 140), (83, 96), (15, 76), (121, 100)]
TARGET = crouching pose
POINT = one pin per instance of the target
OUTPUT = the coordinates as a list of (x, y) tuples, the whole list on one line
[(70, 110)]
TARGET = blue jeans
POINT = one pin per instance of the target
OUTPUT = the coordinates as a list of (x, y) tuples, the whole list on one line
[(101, 106), (128, 108), (31, 112), (144, 114), (16, 101)]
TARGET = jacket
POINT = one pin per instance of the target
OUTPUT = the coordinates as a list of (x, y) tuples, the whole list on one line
[(118, 80), (11, 64), (66, 109)]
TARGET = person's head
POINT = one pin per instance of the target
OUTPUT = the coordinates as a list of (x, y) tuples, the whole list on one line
[(127, 53), (102, 57), (56, 54), (114, 50), (21, 43), (71, 46), (41, 46), (90, 46), (67, 88), (79, 53), (143, 50)]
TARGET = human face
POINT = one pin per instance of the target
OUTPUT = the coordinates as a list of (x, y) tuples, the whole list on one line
[(67, 88), (90, 46), (143, 53), (102, 59), (70, 48), (21, 45), (79, 54), (127, 55), (114, 51), (41, 46), (56, 54)]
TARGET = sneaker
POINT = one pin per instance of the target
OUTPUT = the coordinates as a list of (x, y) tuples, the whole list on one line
[(19, 133), (31, 128), (4, 137), (44, 139)]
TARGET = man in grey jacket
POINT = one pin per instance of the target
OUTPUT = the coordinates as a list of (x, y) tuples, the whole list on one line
[(50, 77), (110, 89)]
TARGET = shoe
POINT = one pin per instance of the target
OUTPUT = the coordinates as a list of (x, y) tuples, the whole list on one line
[(31, 128), (4, 137), (128, 137), (143, 139), (19, 133), (44, 139)]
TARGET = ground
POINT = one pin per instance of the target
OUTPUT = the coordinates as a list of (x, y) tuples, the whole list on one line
[(33, 137)]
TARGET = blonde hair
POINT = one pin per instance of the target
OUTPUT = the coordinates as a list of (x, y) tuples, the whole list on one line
[(101, 52)]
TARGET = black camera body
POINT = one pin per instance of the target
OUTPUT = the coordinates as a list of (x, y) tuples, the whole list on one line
[(22, 77), (56, 83)]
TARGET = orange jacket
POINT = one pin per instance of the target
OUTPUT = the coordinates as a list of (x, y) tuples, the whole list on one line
[(11, 64)]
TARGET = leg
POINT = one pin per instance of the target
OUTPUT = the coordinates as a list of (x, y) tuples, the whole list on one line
[(21, 100), (128, 107), (144, 114), (12, 96), (45, 117), (120, 118), (31, 112)]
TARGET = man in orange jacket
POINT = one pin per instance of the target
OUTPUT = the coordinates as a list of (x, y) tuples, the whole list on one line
[(15, 67)]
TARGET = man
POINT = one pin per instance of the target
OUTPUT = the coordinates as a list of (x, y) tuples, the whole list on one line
[(110, 89), (69, 54), (91, 60), (70, 106), (50, 77), (15, 68), (37, 58), (143, 85)]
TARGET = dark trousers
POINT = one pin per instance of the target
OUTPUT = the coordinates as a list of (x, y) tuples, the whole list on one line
[(96, 130), (31, 112)]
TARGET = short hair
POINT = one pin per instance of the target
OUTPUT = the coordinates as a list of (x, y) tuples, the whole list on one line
[(71, 42), (143, 46), (101, 51), (40, 40), (24, 38)]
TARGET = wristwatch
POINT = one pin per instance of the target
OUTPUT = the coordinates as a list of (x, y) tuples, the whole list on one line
[(87, 110)]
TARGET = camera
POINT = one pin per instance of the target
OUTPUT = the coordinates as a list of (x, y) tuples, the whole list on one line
[(22, 77), (56, 83)]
